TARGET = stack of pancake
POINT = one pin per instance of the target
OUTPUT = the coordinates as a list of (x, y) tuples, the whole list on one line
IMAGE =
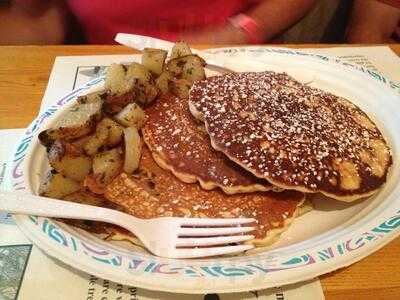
[(252, 145)]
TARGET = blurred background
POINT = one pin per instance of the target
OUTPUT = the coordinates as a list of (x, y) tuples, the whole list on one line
[(36, 22)]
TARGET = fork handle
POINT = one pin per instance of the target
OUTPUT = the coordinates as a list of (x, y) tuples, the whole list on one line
[(27, 204), (140, 42)]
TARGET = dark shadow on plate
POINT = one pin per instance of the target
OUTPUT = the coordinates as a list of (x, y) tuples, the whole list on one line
[(324, 203)]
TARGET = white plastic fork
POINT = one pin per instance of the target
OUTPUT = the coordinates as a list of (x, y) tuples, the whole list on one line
[(166, 237)]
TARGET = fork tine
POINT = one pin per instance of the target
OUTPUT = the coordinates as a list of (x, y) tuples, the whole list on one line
[(213, 231), (204, 252), (216, 222), (221, 240)]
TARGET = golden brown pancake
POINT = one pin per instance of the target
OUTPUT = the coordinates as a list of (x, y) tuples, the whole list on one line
[(155, 192), (178, 144), (295, 136)]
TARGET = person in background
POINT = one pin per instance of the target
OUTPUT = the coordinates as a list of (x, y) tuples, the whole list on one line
[(196, 21), (374, 22)]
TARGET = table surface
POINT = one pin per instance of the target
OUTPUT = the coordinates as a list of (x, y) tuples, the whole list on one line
[(24, 72)]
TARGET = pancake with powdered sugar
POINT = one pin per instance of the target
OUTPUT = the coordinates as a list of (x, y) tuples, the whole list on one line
[(181, 145), (295, 136)]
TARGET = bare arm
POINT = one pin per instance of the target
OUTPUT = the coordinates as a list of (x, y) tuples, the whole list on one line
[(272, 16), (275, 16), (372, 22), (32, 22)]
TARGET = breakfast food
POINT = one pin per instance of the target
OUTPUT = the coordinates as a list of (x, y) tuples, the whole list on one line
[(265, 142), (153, 192), (99, 136), (293, 135), (97, 155), (179, 144), (77, 122)]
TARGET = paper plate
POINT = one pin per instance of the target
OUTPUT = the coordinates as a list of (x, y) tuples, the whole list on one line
[(333, 235)]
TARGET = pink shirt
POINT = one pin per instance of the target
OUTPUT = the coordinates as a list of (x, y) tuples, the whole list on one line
[(166, 19)]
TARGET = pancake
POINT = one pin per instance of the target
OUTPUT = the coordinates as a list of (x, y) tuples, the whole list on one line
[(154, 192), (178, 144), (295, 136)]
